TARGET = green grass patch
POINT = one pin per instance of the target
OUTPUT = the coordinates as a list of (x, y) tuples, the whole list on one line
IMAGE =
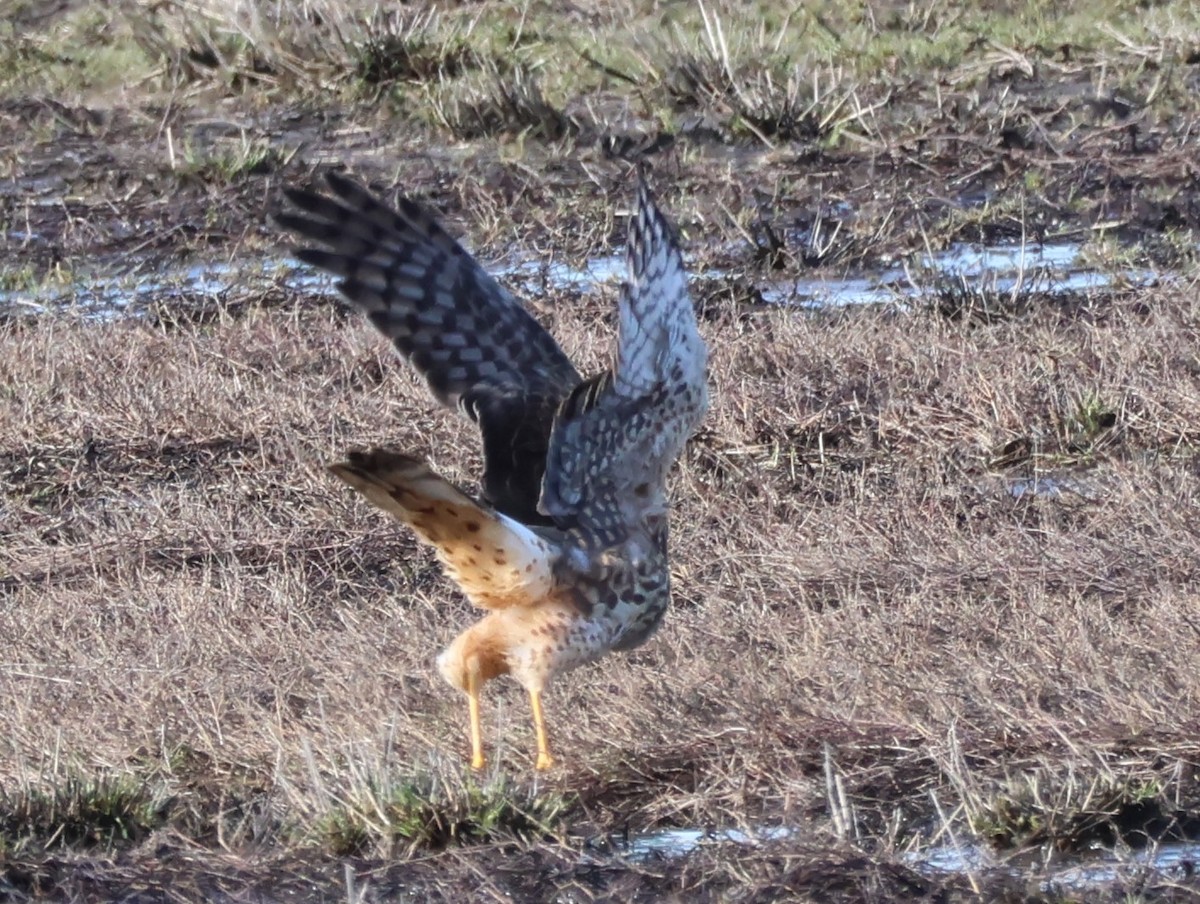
[(227, 162), (1070, 814), (83, 52), (29, 279), (404, 814), (763, 72), (105, 810)]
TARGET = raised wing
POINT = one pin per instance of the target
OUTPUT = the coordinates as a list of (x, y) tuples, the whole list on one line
[(497, 561), (471, 340), (616, 435)]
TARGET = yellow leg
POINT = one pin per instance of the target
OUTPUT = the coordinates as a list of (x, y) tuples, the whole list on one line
[(544, 760), (473, 711)]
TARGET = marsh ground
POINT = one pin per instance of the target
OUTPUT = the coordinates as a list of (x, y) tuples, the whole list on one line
[(935, 564)]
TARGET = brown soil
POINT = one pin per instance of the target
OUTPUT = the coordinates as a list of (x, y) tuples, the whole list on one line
[(100, 186)]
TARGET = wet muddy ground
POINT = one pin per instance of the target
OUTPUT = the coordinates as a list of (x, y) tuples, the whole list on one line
[(91, 189)]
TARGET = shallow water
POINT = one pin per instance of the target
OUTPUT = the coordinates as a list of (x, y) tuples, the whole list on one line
[(111, 296), (681, 842), (1056, 487), (1056, 267), (1068, 875), (1059, 267), (606, 269), (1096, 871)]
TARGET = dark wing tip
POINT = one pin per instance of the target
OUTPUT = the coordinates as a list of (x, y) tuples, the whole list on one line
[(649, 230), (321, 206), (299, 197), (340, 183), (356, 460), (366, 462), (329, 261), (287, 221), (352, 192), (311, 215)]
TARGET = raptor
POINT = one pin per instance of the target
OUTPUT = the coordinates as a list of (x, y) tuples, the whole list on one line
[(566, 548)]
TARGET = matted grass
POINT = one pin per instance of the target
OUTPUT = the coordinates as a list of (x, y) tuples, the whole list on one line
[(880, 632)]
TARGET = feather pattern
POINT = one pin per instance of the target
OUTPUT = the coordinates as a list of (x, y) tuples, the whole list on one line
[(568, 550)]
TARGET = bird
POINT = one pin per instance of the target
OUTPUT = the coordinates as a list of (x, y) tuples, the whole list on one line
[(565, 548)]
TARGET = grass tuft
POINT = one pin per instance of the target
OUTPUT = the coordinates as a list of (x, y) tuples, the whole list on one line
[(1076, 813), (409, 48), (990, 297), (394, 815), (509, 103), (107, 810), (227, 162)]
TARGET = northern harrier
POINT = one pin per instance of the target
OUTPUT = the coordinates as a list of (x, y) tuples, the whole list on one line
[(568, 550)]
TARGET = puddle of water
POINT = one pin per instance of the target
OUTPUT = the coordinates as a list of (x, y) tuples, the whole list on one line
[(557, 275), (1058, 265), (681, 842), (1102, 869), (1044, 488), (1175, 861), (1106, 868), (1053, 488), (975, 260), (106, 298), (950, 859), (1003, 266)]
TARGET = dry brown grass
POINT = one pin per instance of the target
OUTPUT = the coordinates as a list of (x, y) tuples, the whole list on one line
[(874, 638), (216, 666)]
